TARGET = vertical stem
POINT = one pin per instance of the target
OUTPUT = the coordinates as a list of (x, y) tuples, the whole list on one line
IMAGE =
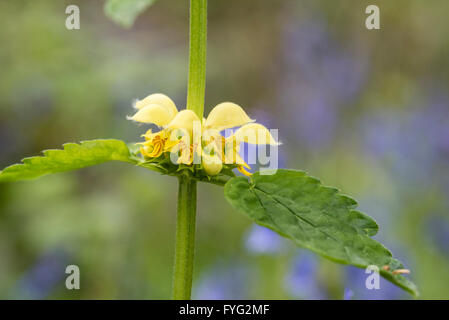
[(185, 227), (197, 56), (185, 238)]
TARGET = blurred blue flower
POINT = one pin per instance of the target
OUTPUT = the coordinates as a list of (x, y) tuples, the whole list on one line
[(413, 143), (261, 240), (356, 288), (320, 77), (302, 281), (223, 282), (348, 294), (42, 278)]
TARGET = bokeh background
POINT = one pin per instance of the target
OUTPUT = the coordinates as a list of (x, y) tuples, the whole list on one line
[(366, 111)]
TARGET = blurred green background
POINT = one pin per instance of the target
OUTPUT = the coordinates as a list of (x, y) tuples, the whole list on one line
[(366, 111)]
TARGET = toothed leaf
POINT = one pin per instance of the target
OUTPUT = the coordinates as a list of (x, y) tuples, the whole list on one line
[(315, 217), (73, 156)]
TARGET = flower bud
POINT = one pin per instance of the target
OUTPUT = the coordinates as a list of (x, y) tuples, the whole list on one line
[(211, 164)]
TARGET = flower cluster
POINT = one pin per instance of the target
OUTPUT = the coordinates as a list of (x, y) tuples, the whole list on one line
[(186, 139)]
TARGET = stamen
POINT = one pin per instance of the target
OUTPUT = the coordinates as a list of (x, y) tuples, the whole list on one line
[(242, 170)]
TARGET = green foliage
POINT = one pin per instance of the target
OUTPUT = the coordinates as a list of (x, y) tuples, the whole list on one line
[(73, 156), (125, 12), (315, 217)]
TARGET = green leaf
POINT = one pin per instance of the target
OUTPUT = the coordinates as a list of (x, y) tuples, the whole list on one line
[(315, 217), (74, 156), (125, 12)]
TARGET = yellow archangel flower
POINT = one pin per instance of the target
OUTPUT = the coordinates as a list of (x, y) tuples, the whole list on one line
[(183, 133), (156, 143)]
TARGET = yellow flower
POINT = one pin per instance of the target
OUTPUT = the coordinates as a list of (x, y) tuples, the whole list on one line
[(226, 115), (156, 143), (184, 151), (160, 110), (199, 137)]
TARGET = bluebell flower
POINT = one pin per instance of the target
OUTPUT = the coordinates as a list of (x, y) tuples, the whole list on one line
[(43, 277)]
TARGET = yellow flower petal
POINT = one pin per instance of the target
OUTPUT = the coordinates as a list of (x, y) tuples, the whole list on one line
[(157, 151), (184, 120), (145, 150), (211, 164), (160, 99), (152, 113), (254, 133), (226, 115), (182, 153)]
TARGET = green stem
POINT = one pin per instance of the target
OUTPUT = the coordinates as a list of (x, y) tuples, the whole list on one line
[(185, 227), (197, 56), (185, 238)]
